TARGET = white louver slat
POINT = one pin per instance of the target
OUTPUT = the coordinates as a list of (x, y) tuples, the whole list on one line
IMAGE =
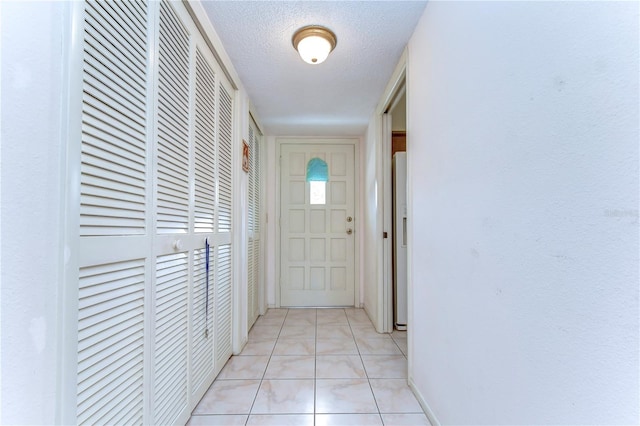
[(170, 358), (113, 177), (110, 343), (173, 124), (205, 183), (223, 304)]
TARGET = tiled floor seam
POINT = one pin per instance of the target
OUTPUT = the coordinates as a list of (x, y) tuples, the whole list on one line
[(315, 370), (265, 371), (365, 371)]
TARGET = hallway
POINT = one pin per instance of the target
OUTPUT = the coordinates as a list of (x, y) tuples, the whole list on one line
[(314, 366)]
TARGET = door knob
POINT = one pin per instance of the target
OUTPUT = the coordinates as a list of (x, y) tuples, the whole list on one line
[(349, 231)]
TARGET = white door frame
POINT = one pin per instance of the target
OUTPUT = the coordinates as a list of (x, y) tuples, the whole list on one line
[(355, 142), (387, 223), (384, 321)]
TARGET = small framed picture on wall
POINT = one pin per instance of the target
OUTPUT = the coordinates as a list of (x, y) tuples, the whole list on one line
[(245, 156)]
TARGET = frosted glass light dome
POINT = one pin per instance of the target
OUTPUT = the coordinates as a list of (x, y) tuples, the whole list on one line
[(314, 49), (314, 43)]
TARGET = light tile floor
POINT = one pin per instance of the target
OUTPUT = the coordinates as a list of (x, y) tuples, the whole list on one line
[(314, 367)]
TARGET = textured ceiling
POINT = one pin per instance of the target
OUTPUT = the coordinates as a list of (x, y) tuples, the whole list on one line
[(335, 98)]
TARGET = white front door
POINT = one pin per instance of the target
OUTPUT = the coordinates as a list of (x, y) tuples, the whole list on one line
[(317, 241)]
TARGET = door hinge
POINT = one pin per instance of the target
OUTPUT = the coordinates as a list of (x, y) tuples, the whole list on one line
[(385, 235)]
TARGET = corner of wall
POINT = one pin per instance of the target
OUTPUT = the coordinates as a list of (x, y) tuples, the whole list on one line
[(423, 403)]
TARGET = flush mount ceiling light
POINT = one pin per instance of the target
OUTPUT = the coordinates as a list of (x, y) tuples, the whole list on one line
[(314, 43)]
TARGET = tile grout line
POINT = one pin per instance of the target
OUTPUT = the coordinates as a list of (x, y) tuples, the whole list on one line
[(398, 346), (265, 369), (375, 400), (315, 369)]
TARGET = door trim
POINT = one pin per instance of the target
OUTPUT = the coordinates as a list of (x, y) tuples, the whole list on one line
[(396, 85), (355, 142)]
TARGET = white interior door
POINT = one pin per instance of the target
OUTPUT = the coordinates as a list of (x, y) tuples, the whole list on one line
[(317, 241)]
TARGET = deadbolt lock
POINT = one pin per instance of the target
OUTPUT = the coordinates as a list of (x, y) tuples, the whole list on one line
[(349, 218)]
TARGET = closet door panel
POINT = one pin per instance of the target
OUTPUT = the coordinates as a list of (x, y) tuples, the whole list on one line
[(172, 172), (205, 146), (223, 330), (223, 348), (253, 245), (173, 244), (114, 106), (114, 210), (225, 134), (170, 355), (110, 343), (202, 302), (202, 361)]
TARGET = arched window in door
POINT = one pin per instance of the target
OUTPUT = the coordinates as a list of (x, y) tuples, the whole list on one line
[(317, 176)]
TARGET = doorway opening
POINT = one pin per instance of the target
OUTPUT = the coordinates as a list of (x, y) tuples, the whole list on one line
[(395, 212)]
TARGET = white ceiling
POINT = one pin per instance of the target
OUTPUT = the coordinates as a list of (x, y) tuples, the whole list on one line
[(335, 98)]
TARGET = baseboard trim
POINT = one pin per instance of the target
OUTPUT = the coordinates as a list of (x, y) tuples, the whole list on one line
[(423, 403)]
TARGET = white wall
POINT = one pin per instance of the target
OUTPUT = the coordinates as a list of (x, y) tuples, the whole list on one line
[(32, 45), (523, 142)]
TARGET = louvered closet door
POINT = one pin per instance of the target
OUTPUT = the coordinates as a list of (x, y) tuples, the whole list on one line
[(253, 247), (173, 245), (202, 302), (114, 214), (194, 198), (224, 290), (155, 307)]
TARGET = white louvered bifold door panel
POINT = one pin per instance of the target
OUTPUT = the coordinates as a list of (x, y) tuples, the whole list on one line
[(203, 307), (251, 181), (113, 178), (254, 252), (110, 343), (224, 292), (173, 124), (173, 168), (113, 247), (223, 304), (225, 133), (202, 362), (170, 356), (205, 132)]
